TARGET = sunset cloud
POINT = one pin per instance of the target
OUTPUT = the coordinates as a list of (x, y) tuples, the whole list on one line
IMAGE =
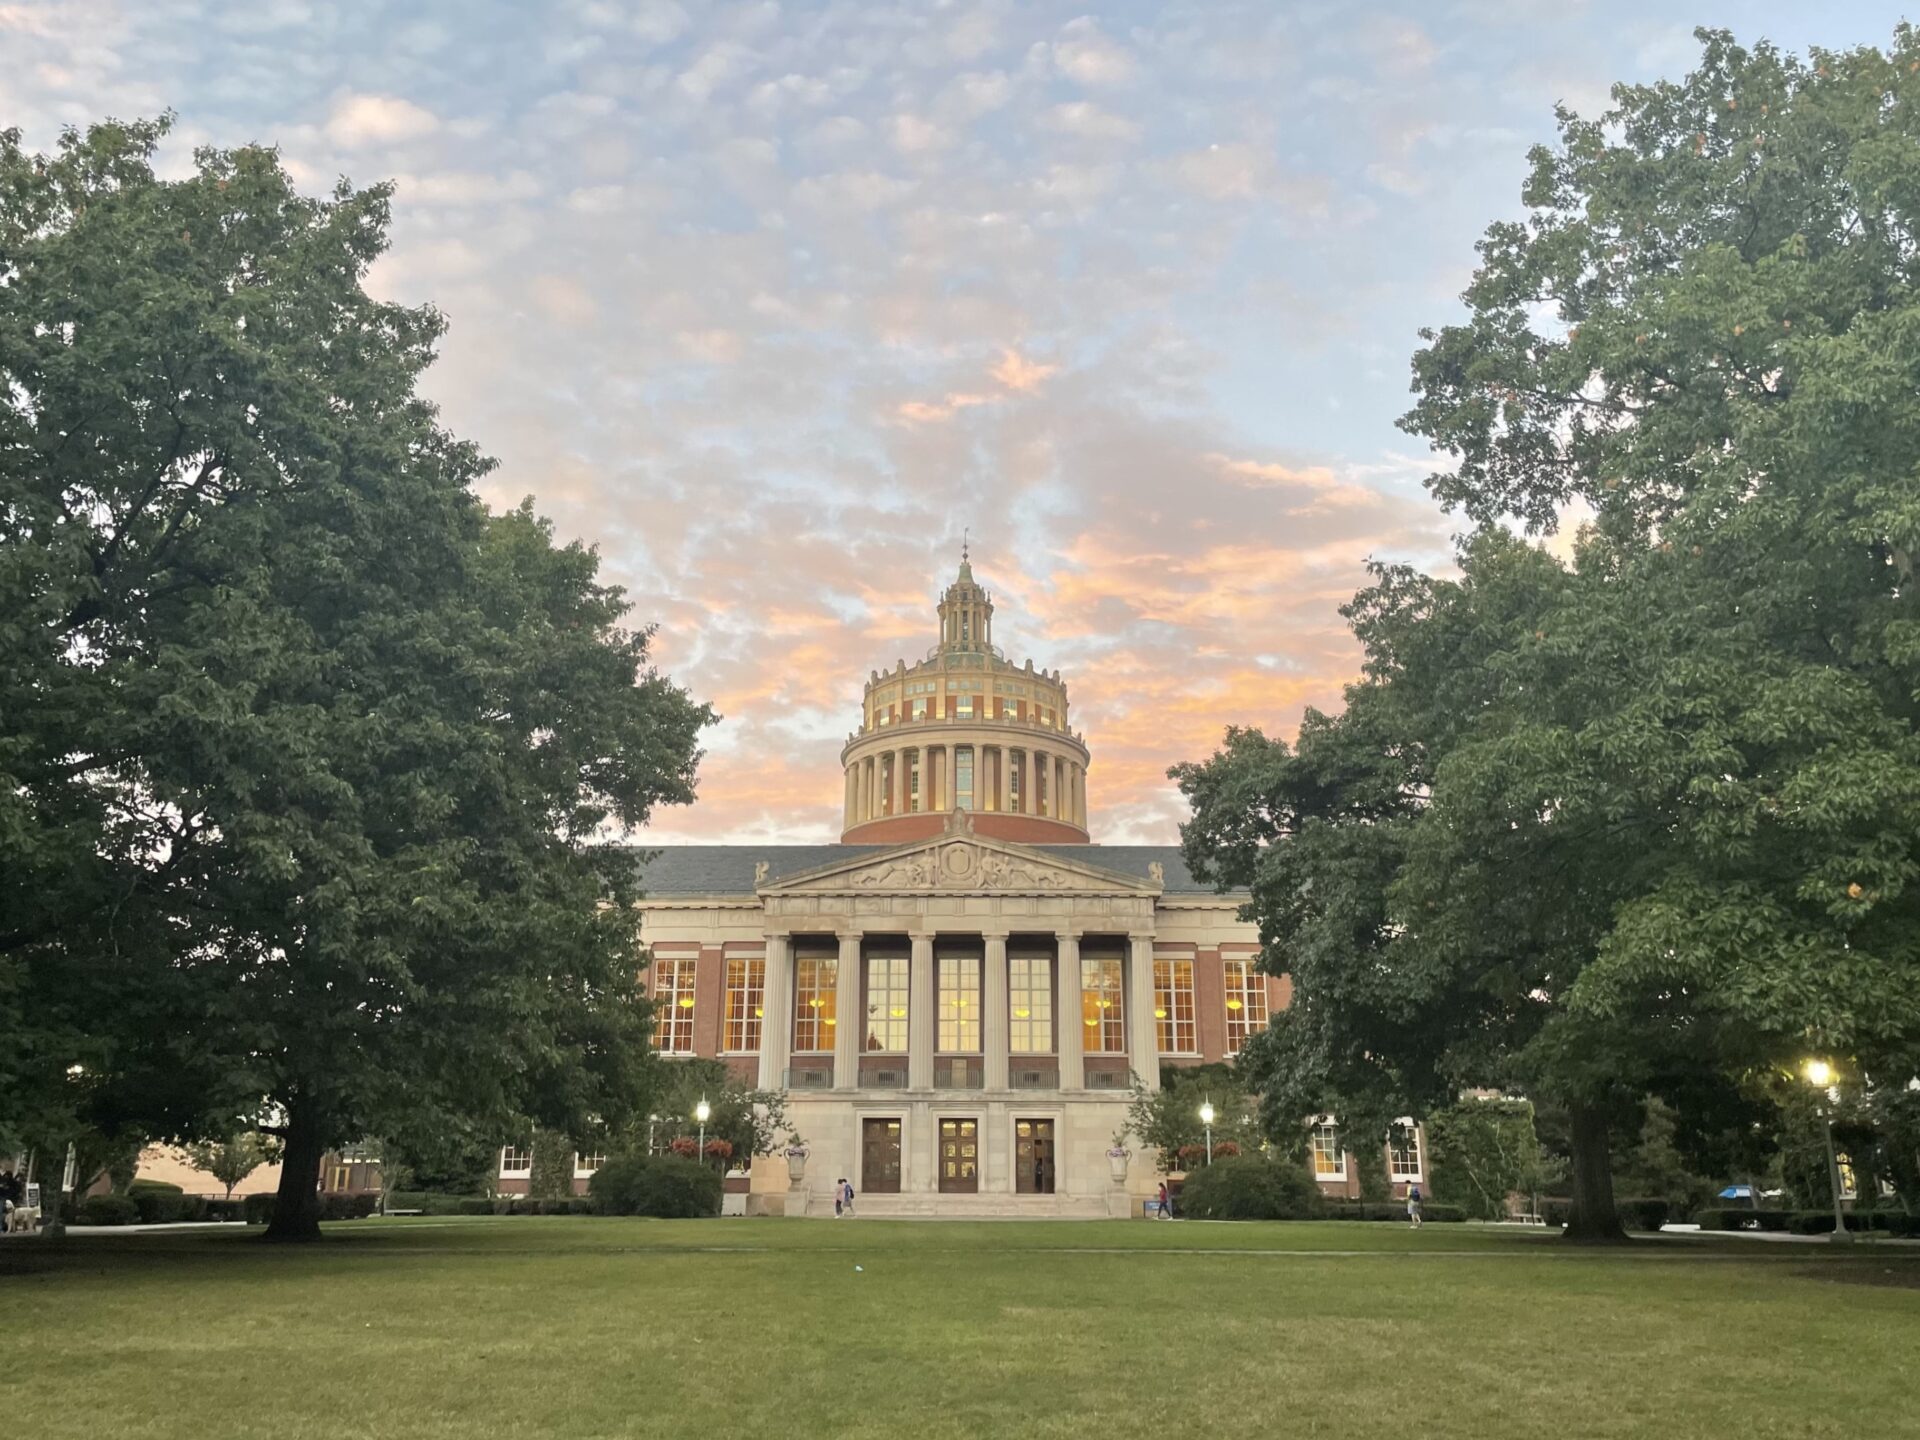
[(770, 304)]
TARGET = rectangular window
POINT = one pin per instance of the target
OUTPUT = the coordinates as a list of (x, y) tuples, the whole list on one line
[(1103, 1020), (913, 782), (966, 707), (673, 991), (920, 709), (746, 1004), (886, 1005), (886, 784), (1403, 1151), (1246, 1002), (1329, 1161), (1030, 1004), (959, 1013), (1016, 768), (1173, 1007), (516, 1159), (585, 1165), (963, 777), (815, 982)]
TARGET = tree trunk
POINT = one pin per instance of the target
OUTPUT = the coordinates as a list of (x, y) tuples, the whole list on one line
[(1591, 1218), (296, 1206)]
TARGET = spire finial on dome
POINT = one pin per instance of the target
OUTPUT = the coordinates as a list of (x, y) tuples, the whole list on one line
[(966, 567)]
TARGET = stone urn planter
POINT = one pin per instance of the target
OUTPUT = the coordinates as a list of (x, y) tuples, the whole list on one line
[(1117, 1165), (796, 1166)]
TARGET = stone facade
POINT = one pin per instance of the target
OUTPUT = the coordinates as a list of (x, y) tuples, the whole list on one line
[(958, 997)]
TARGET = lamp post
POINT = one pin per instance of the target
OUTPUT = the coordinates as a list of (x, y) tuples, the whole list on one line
[(1820, 1076), (1206, 1119), (700, 1113)]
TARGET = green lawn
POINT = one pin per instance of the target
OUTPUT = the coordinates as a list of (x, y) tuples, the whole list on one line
[(586, 1327)]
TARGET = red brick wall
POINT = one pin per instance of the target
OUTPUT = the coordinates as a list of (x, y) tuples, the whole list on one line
[(1022, 829)]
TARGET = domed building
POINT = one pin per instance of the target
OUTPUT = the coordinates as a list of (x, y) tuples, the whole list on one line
[(959, 997)]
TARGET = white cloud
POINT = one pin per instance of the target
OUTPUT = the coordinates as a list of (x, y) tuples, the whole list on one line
[(1088, 121), (1084, 53), (358, 120)]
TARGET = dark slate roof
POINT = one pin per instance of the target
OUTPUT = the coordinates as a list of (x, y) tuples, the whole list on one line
[(728, 869)]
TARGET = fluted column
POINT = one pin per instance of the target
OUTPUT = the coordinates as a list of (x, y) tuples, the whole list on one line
[(1143, 1035), (995, 1032), (920, 1015), (776, 1023), (1080, 795), (1067, 1010), (846, 808), (846, 1010)]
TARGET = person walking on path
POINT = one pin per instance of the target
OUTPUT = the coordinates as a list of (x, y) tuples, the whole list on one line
[(1166, 1202), (839, 1196), (846, 1194), (1413, 1206)]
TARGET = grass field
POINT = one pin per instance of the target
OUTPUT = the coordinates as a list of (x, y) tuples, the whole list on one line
[(586, 1327)]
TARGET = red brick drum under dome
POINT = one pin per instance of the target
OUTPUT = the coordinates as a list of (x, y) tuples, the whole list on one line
[(957, 997)]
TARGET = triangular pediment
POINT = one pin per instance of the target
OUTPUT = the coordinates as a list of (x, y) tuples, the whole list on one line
[(959, 861)]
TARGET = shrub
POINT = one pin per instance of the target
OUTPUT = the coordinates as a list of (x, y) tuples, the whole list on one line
[(474, 1207), (224, 1209), (1393, 1210), (106, 1210), (167, 1206), (341, 1205), (1820, 1222), (1900, 1223), (580, 1205), (1636, 1213), (258, 1209), (154, 1187), (666, 1187), (1740, 1217), (1250, 1188)]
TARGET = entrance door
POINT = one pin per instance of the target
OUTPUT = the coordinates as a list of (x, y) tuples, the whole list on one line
[(880, 1157), (960, 1156), (1033, 1157)]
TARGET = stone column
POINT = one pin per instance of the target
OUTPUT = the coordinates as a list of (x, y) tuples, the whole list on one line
[(1067, 1012), (776, 1024), (847, 1016), (1064, 809), (920, 1015), (932, 757), (995, 1031), (1143, 1036), (1037, 771), (1080, 795)]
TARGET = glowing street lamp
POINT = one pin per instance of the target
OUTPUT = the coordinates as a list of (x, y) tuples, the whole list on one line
[(700, 1113), (1206, 1119), (1820, 1075)]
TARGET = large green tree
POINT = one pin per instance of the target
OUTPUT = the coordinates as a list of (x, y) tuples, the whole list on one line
[(1645, 822), (312, 764)]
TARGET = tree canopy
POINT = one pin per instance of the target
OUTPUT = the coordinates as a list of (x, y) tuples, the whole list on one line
[(1645, 820), (310, 766)]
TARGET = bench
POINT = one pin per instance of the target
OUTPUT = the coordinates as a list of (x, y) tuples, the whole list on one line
[(403, 1212)]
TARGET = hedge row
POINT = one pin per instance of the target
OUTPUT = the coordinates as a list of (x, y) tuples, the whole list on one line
[(1636, 1213), (1372, 1210), (1890, 1222), (1741, 1217)]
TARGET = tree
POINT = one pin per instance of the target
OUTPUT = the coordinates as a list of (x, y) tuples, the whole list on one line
[(552, 1173), (1168, 1119), (1656, 830), (317, 762), (751, 1121), (232, 1160), (1484, 1150)]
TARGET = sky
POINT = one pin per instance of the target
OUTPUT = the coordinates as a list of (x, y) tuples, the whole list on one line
[(771, 302)]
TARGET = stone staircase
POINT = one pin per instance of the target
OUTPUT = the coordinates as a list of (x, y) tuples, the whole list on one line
[(937, 1206)]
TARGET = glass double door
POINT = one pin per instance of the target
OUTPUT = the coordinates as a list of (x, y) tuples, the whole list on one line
[(1033, 1160), (960, 1157)]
